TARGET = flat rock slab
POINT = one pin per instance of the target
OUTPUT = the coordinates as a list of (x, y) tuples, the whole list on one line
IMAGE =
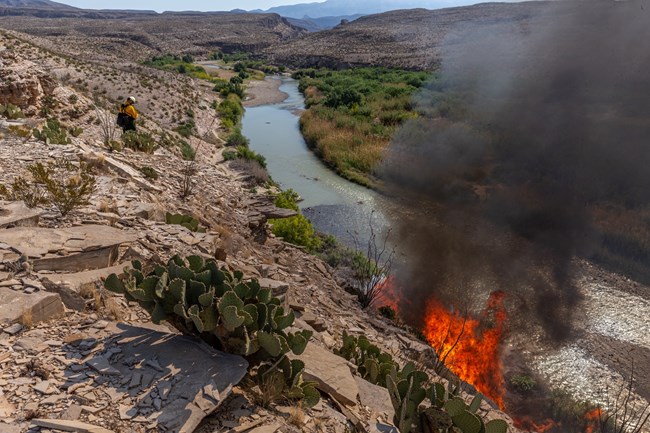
[(42, 305), (331, 373), (79, 280), (376, 398), (70, 249), (67, 425), (191, 377), (16, 214)]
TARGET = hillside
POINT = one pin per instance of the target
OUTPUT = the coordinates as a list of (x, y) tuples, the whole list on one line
[(36, 4), (110, 36), (412, 39)]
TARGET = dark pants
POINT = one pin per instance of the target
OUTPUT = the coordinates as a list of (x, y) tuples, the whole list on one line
[(129, 125)]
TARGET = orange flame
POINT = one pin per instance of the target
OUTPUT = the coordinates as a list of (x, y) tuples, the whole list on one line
[(388, 296), (468, 348), (594, 418), (527, 424)]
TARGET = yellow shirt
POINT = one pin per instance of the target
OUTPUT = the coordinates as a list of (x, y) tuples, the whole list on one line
[(130, 110)]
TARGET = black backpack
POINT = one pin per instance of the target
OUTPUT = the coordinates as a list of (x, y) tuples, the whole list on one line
[(122, 118)]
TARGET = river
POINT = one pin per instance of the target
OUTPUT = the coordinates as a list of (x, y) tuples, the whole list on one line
[(334, 205)]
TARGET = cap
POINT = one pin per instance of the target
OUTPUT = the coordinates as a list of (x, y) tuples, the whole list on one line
[(131, 98)]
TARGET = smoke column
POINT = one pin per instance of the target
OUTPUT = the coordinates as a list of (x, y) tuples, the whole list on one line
[(532, 126)]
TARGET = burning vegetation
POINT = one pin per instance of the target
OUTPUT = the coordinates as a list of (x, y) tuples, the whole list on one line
[(535, 154)]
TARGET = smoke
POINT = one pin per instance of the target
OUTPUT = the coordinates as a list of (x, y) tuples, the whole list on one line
[(532, 125)]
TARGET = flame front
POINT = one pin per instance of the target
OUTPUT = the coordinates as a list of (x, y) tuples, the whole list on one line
[(469, 348), (594, 419)]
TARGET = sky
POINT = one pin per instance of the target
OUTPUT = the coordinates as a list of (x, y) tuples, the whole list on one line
[(169, 5)]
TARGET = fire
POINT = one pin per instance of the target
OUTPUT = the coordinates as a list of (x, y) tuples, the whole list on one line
[(467, 347), (594, 420), (526, 423)]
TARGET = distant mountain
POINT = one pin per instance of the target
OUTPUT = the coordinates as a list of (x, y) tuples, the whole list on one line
[(340, 8), (35, 4), (323, 23)]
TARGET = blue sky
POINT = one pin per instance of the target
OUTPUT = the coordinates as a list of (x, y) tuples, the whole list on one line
[(168, 5)]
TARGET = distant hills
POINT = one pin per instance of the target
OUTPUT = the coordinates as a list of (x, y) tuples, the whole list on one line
[(345, 8), (35, 4)]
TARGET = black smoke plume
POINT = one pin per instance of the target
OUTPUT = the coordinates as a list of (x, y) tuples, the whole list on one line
[(533, 127)]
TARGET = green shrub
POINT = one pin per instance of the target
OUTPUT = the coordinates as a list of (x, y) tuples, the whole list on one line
[(187, 151), (236, 138), (296, 230), (250, 155), (139, 141), (149, 172), (59, 183), (388, 312), (230, 111), (187, 128), (523, 383)]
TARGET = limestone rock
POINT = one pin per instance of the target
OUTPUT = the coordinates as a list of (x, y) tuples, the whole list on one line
[(203, 376), (41, 305), (67, 425), (331, 372), (376, 398), (80, 248), (16, 214)]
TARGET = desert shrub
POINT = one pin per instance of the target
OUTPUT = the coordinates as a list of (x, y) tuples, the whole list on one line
[(523, 383), (188, 153), (139, 141), (186, 128), (230, 111), (149, 172), (20, 131), (73, 99), (59, 183), (298, 229), (253, 168), (388, 312), (230, 155), (250, 155), (236, 138)]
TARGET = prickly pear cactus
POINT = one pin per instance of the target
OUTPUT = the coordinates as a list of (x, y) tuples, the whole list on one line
[(52, 133), (239, 316), (198, 297), (190, 223)]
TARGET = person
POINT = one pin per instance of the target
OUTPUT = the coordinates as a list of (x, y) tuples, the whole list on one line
[(128, 114)]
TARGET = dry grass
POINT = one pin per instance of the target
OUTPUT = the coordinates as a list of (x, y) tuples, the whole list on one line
[(296, 416), (90, 291), (113, 308), (266, 389), (107, 206)]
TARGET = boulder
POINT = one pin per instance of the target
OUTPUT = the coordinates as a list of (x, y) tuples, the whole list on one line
[(41, 305), (376, 398)]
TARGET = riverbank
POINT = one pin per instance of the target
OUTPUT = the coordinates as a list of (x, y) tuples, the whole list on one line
[(264, 92)]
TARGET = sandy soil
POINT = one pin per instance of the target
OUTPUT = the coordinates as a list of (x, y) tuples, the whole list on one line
[(264, 92)]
